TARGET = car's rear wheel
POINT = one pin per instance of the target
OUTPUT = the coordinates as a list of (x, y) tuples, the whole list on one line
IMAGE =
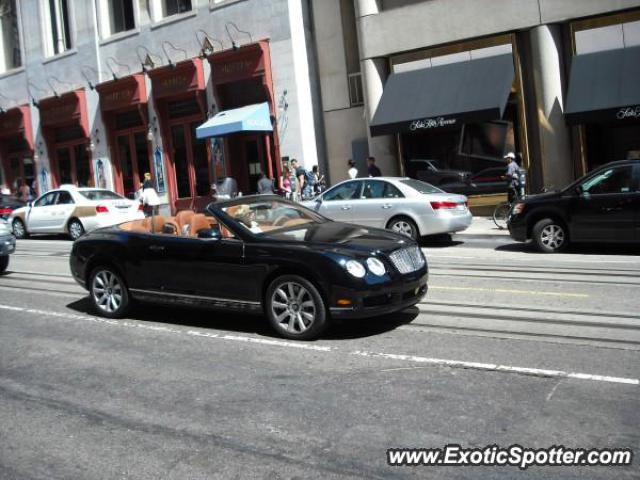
[(404, 226), (75, 228), (19, 230), (109, 293), (550, 236), (4, 263), (295, 308)]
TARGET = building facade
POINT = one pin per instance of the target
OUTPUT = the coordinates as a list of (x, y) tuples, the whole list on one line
[(100, 92), (465, 81)]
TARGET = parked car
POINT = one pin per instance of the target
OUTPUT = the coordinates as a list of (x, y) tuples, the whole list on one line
[(8, 203), (602, 206), (7, 244), (485, 182), (73, 211), (259, 254), (403, 205), (432, 171)]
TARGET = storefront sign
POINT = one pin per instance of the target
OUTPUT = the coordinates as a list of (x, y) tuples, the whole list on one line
[(233, 65), (122, 93), (181, 78), (628, 112), (16, 124), (159, 170), (428, 123), (67, 109)]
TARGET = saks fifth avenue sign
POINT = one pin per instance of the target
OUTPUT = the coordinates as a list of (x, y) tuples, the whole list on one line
[(428, 123), (628, 112)]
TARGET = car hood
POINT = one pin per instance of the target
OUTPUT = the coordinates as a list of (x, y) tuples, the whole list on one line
[(342, 236)]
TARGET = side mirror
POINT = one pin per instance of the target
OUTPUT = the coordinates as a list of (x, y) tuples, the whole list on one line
[(213, 233), (579, 190), (29, 204)]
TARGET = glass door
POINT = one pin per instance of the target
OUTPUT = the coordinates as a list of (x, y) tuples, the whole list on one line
[(181, 162), (129, 183), (65, 165)]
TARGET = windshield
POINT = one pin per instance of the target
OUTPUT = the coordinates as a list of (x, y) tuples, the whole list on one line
[(422, 187), (262, 217), (100, 195)]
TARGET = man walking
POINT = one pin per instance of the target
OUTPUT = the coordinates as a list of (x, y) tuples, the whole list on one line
[(265, 185), (372, 169), (513, 175)]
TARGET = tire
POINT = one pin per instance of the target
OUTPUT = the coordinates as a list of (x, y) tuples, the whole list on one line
[(501, 215), (404, 226), (19, 230), (4, 263), (75, 229), (295, 308), (550, 236), (108, 292)]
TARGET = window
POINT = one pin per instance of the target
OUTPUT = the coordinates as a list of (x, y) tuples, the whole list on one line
[(611, 180), (167, 8), (355, 89), (46, 200), (116, 16), (64, 198), (10, 56), (100, 195), (345, 191), (57, 26), (420, 186)]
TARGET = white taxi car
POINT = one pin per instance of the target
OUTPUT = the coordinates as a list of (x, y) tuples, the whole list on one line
[(73, 211)]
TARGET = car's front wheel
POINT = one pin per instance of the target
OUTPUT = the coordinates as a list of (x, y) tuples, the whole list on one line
[(108, 292), (295, 308), (550, 236), (76, 230), (19, 230), (4, 263), (404, 226)]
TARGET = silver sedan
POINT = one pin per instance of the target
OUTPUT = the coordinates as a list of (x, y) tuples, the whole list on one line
[(404, 205)]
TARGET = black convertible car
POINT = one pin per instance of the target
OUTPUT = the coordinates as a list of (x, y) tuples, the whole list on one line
[(257, 254)]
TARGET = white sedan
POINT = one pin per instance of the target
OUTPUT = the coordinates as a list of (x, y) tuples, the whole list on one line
[(73, 211), (404, 205)]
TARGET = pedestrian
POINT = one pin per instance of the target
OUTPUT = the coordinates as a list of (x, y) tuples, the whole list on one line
[(149, 197), (265, 184), (512, 176), (23, 192), (372, 169), (353, 171), (300, 174), (285, 182), (319, 183)]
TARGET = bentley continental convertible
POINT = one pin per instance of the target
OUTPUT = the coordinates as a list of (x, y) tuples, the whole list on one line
[(259, 254)]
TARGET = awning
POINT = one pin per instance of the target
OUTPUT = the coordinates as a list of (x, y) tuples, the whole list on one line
[(252, 118), (604, 87), (446, 95)]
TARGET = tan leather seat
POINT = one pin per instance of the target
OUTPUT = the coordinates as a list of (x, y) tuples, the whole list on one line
[(154, 224), (200, 222), (183, 218)]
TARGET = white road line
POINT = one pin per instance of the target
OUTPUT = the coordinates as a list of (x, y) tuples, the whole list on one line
[(324, 348), (509, 290)]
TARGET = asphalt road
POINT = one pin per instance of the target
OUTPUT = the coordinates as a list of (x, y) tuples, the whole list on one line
[(509, 347)]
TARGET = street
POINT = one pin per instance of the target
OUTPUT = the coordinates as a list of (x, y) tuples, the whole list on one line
[(509, 347)]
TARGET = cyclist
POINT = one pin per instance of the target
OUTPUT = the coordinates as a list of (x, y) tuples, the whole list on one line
[(513, 176)]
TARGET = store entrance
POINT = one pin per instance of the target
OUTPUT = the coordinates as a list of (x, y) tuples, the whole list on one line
[(133, 161), (607, 143), (73, 165), (21, 167), (248, 154)]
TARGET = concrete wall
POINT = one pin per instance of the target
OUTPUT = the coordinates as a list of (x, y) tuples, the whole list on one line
[(342, 127), (436, 22)]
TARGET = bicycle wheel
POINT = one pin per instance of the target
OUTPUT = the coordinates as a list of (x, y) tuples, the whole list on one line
[(501, 215)]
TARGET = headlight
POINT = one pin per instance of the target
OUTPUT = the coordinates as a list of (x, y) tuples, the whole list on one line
[(518, 208), (355, 268), (376, 266)]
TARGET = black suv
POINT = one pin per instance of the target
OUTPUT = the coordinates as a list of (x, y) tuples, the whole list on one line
[(431, 171), (602, 206)]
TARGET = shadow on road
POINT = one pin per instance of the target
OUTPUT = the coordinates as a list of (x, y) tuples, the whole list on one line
[(255, 324)]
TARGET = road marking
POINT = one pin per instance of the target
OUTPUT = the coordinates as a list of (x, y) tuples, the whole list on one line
[(508, 290), (439, 362), (537, 372)]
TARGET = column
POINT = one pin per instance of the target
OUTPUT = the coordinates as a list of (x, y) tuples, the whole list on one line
[(554, 138), (374, 74)]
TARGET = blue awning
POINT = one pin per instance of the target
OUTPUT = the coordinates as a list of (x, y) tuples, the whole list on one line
[(252, 118)]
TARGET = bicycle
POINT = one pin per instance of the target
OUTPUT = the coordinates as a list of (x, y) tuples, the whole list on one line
[(503, 209)]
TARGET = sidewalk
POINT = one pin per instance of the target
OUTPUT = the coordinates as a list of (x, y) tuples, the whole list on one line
[(483, 226)]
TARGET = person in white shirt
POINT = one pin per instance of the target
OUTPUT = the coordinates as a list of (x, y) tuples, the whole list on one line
[(353, 171)]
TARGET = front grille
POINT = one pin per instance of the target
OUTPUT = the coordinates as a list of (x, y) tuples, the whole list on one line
[(408, 259)]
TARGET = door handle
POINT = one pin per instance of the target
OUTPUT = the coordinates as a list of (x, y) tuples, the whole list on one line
[(156, 248), (386, 206), (346, 207)]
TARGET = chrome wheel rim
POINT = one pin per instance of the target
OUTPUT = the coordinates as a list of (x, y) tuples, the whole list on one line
[(18, 228), (107, 291), (293, 307), (552, 236), (75, 229), (403, 228)]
